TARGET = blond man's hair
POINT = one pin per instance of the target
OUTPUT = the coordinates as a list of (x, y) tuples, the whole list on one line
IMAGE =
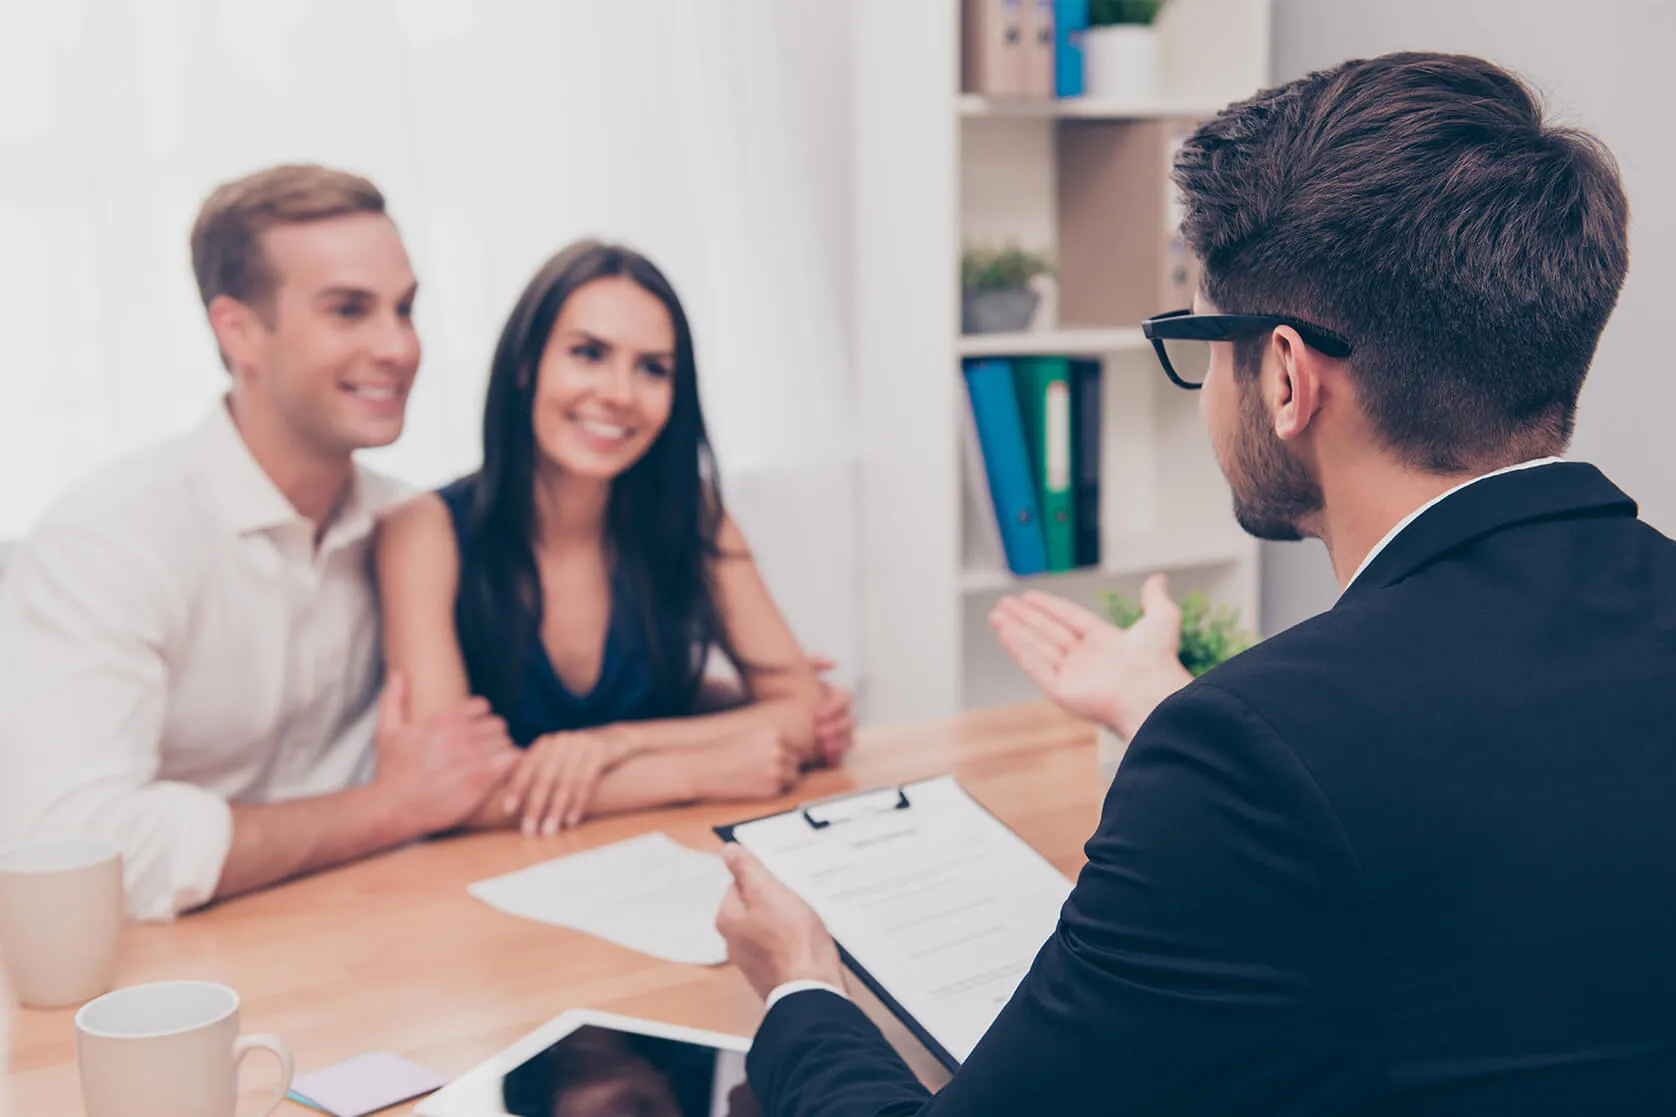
[(227, 255)]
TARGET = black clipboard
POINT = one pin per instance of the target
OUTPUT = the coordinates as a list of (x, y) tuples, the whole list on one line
[(874, 986)]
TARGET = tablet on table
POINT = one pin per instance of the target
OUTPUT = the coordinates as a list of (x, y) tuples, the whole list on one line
[(595, 1064)]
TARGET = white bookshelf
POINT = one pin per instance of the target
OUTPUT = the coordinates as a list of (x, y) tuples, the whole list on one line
[(934, 170), (972, 105), (1068, 343), (1133, 558)]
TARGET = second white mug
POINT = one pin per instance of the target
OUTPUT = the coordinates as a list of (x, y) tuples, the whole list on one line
[(60, 918)]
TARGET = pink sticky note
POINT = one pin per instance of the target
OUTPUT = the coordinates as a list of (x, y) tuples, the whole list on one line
[(364, 1084)]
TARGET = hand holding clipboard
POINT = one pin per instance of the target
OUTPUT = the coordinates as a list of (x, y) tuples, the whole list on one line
[(935, 904)]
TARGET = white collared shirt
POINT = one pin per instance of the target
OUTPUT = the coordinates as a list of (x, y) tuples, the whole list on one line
[(1415, 515), (173, 640)]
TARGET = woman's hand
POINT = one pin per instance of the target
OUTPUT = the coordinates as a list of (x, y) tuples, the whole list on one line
[(834, 717), (755, 764), (555, 780)]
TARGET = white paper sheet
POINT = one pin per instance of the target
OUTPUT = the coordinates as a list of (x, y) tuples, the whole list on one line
[(650, 894), (939, 901)]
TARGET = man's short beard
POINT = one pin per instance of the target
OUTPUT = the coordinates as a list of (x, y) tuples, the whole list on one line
[(1273, 492)]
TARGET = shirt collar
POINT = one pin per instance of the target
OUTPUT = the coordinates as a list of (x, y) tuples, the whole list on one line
[(369, 496), (1445, 495), (251, 502)]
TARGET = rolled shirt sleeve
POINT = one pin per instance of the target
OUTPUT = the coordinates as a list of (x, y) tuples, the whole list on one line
[(87, 608)]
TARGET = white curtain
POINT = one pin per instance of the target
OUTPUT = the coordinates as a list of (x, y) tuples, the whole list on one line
[(499, 130)]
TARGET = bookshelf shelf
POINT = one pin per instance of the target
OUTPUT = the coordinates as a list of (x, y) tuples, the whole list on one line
[(1068, 343), (1132, 558), (938, 167), (972, 106)]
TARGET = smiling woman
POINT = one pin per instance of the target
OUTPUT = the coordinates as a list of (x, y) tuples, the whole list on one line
[(583, 577), (605, 384)]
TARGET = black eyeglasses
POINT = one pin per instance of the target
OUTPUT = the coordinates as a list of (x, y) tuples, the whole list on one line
[(1182, 339)]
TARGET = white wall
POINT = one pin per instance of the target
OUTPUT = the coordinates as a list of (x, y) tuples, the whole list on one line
[(814, 36), (1606, 67)]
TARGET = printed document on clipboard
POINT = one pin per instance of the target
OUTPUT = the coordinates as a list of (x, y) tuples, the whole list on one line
[(937, 906)]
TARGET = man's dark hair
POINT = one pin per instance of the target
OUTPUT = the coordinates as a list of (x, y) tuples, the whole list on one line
[(1418, 204)]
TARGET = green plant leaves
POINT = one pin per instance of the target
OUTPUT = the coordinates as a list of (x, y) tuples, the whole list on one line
[(1209, 636), (1009, 268)]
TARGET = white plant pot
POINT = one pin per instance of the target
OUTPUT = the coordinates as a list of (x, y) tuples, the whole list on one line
[(1110, 748), (1120, 62)]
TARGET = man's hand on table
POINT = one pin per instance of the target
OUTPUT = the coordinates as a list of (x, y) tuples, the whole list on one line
[(433, 774), (772, 936)]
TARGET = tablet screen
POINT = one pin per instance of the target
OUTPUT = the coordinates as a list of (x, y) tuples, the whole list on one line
[(598, 1071)]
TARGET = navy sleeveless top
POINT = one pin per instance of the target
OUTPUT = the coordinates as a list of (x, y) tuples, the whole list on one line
[(623, 691)]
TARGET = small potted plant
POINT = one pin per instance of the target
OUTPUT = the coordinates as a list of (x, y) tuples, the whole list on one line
[(1209, 635), (1120, 50), (996, 296)]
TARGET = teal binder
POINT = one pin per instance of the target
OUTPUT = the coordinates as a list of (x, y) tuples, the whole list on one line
[(1044, 402)]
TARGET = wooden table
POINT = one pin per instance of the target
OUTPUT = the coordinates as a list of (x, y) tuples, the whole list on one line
[(392, 954)]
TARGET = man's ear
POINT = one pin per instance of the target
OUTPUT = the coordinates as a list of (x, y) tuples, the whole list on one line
[(1294, 383), (238, 330)]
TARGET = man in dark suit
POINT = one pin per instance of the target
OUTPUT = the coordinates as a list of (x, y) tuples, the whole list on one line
[(1414, 856)]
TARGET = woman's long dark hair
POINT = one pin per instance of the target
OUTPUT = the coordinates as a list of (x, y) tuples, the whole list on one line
[(662, 516)]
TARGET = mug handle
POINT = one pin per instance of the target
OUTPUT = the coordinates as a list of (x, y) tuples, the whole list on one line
[(244, 1045)]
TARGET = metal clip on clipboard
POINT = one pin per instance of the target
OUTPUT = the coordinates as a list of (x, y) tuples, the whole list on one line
[(822, 813)]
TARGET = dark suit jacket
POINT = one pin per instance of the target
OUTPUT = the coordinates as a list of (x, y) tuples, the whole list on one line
[(1414, 856)]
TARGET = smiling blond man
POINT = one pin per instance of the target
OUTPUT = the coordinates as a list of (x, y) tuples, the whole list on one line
[(189, 639)]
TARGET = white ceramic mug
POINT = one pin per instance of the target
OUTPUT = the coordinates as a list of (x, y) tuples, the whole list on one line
[(60, 918), (168, 1049)]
